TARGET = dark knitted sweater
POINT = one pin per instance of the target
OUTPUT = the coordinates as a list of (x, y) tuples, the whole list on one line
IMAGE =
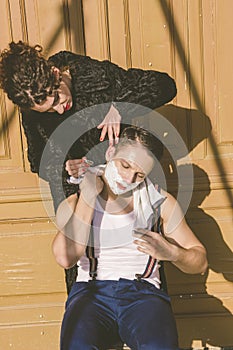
[(95, 86)]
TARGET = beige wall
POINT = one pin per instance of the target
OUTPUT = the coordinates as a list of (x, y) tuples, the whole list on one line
[(189, 39)]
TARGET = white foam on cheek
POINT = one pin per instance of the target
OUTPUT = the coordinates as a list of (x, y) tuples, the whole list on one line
[(113, 177)]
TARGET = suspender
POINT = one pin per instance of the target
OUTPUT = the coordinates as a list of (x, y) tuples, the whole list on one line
[(157, 227), (93, 262), (90, 253)]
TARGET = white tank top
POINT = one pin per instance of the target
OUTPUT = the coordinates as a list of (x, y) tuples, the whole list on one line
[(117, 255)]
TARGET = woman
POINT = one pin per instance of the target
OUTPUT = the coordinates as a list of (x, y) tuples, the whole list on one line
[(68, 82), (117, 294)]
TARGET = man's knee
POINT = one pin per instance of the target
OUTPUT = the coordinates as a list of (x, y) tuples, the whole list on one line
[(155, 343)]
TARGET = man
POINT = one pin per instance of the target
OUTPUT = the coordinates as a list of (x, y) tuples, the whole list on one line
[(107, 233)]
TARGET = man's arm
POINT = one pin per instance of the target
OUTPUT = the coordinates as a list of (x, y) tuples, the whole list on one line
[(70, 243), (74, 217)]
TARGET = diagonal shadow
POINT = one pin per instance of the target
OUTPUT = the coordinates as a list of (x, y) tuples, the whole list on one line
[(181, 53), (6, 123)]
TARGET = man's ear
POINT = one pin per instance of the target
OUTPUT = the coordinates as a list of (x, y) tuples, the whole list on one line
[(110, 152)]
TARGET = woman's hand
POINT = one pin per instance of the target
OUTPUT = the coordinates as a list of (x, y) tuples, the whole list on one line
[(76, 167), (110, 125)]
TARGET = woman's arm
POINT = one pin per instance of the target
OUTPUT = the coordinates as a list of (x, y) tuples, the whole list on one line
[(179, 246)]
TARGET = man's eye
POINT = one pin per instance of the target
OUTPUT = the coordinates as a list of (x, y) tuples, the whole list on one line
[(125, 165), (141, 176)]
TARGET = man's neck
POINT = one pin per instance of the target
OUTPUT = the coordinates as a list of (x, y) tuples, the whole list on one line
[(116, 204)]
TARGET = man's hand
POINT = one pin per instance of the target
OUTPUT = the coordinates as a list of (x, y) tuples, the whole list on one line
[(110, 125), (158, 247), (191, 259)]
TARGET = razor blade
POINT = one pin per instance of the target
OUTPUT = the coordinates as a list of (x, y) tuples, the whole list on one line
[(89, 162)]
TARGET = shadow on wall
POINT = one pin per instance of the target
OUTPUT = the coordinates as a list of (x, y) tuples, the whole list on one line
[(193, 127), (211, 323), (200, 316)]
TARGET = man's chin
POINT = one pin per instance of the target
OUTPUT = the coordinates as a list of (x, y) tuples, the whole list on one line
[(125, 193)]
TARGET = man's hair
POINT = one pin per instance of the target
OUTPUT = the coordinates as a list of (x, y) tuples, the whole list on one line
[(25, 75), (131, 134)]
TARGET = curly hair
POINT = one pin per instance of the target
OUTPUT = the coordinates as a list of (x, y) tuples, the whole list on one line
[(147, 139), (25, 75)]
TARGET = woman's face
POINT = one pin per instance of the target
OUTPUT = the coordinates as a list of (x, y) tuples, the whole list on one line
[(128, 168), (60, 102)]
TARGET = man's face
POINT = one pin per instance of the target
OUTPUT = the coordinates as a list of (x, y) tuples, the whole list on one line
[(128, 168), (60, 102)]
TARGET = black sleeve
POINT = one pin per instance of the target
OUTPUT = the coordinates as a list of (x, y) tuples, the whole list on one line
[(38, 128), (103, 81), (146, 88), (64, 59), (35, 141)]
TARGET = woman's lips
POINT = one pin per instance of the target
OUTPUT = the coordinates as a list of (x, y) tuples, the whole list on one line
[(67, 107)]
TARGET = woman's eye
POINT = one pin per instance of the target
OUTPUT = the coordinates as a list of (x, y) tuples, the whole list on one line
[(56, 99)]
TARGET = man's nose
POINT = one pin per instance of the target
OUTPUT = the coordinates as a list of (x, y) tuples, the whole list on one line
[(130, 178)]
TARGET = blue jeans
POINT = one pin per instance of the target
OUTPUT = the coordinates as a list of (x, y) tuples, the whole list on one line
[(99, 314)]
